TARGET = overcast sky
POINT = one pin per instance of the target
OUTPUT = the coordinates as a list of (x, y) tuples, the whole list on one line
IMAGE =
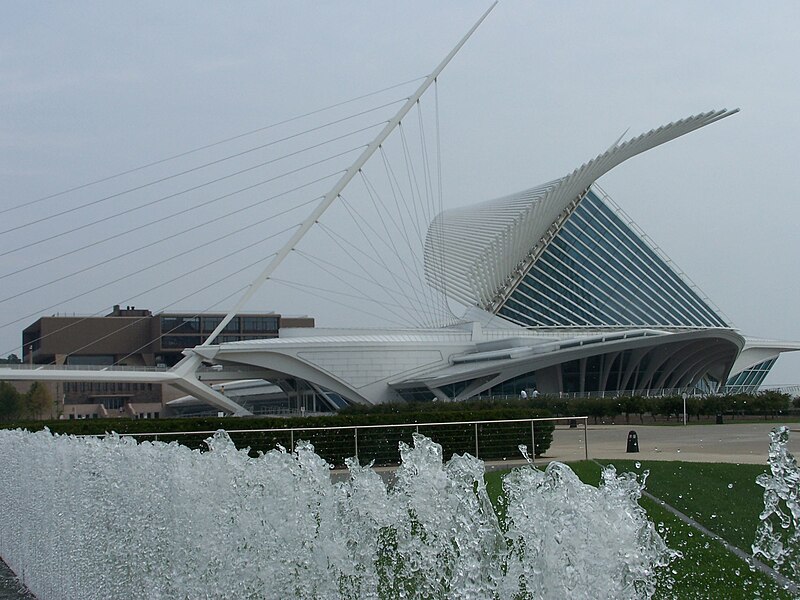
[(91, 89)]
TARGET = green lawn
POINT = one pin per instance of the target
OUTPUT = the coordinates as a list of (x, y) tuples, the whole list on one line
[(706, 569), (722, 497)]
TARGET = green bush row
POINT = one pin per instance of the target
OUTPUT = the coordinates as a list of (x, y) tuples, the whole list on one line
[(770, 403), (495, 441)]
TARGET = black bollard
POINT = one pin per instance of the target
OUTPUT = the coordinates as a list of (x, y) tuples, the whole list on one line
[(633, 442)]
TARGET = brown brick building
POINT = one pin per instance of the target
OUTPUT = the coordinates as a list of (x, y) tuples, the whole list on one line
[(131, 337)]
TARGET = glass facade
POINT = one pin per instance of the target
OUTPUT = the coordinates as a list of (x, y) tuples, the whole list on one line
[(512, 387), (750, 379), (186, 331), (598, 272), (417, 394), (180, 324), (210, 324), (452, 390), (606, 372), (180, 341), (259, 324), (618, 372), (207, 324)]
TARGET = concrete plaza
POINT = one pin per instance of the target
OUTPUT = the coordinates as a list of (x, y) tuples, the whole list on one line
[(731, 443)]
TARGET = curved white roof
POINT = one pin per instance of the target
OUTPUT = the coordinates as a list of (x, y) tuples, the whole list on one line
[(471, 252)]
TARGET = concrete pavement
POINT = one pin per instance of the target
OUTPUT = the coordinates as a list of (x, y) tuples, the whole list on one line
[(746, 443)]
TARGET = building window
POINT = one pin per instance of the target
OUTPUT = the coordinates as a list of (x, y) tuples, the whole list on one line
[(417, 394), (180, 324), (113, 402), (513, 387), (259, 324), (180, 341), (210, 324)]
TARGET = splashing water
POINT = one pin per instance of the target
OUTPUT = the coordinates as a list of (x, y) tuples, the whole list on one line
[(778, 533), (110, 518)]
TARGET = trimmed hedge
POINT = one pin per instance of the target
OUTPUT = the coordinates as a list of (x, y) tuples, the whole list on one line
[(765, 404), (495, 441)]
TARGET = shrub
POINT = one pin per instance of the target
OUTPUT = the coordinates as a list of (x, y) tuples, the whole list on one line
[(10, 402), (495, 441)]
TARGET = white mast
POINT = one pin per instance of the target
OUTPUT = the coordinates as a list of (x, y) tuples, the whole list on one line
[(186, 369), (340, 185)]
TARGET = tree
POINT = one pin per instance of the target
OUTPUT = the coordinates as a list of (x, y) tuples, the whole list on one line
[(38, 400), (775, 402), (714, 405), (594, 407), (694, 407), (10, 402), (12, 359), (652, 405), (667, 406), (633, 405)]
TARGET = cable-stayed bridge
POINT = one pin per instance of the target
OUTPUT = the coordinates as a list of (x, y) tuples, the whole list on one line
[(363, 175)]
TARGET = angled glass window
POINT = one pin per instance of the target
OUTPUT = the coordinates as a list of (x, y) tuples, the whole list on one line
[(750, 379), (597, 271)]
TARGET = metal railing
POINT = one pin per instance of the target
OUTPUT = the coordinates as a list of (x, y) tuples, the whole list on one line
[(38, 367), (379, 444), (655, 393)]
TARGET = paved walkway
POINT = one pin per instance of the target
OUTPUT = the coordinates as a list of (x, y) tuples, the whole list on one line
[(746, 443)]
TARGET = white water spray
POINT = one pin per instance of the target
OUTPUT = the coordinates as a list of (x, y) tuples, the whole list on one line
[(109, 518), (778, 533)]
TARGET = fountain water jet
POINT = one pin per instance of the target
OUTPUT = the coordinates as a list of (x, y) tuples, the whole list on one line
[(778, 533), (110, 518)]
